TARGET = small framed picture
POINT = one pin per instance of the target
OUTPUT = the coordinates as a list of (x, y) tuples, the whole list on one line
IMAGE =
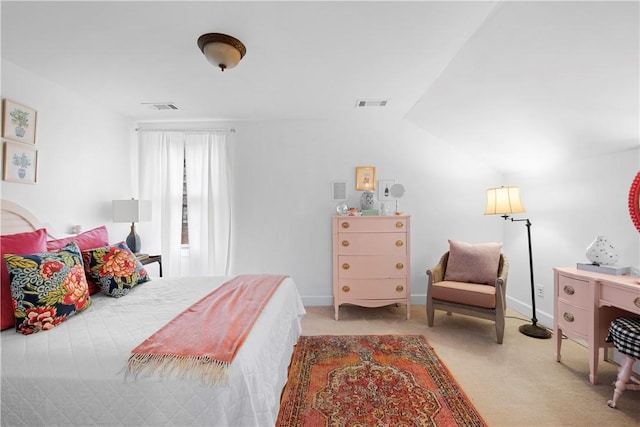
[(384, 189), (338, 190), (20, 163), (19, 122), (365, 178)]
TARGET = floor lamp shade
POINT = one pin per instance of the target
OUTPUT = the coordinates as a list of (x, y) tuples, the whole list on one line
[(503, 201), (132, 211)]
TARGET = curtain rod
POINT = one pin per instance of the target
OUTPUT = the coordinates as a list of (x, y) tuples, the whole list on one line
[(232, 130)]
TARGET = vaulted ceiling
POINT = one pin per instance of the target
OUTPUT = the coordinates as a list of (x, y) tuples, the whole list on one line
[(510, 77)]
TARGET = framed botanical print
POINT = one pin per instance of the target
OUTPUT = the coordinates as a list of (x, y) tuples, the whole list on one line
[(20, 163), (19, 122), (365, 178)]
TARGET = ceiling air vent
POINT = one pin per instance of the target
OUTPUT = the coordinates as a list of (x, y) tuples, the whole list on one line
[(161, 106), (372, 103)]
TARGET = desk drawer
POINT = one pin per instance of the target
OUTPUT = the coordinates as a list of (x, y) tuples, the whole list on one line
[(573, 291), (625, 298), (572, 319)]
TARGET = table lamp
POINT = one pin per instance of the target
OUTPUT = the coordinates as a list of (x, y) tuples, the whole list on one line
[(132, 211)]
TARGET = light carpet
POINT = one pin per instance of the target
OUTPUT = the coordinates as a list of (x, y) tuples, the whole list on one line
[(518, 383)]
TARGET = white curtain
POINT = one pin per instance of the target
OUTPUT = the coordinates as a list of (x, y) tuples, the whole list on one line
[(208, 205), (161, 165), (162, 157)]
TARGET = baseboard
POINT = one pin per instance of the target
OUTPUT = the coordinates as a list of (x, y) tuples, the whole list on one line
[(544, 319), (317, 301), (524, 310)]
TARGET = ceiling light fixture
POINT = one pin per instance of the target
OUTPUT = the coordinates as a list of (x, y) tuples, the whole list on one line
[(221, 50)]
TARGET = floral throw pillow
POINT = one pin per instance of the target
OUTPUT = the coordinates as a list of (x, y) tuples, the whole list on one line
[(47, 288), (115, 268)]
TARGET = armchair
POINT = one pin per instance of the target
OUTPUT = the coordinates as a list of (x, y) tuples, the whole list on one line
[(483, 300)]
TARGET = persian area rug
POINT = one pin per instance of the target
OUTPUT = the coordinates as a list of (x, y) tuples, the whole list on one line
[(383, 380)]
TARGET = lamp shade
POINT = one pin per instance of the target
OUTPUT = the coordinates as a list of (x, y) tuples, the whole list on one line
[(221, 50), (131, 210), (503, 201)]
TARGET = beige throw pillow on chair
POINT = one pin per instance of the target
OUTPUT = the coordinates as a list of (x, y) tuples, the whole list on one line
[(473, 263)]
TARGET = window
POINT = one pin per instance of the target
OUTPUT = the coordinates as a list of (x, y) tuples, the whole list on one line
[(185, 216)]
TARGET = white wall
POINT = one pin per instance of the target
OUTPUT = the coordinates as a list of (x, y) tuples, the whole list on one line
[(84, 154), (281, 190), (282, 207), (281, 183), (569, 204)]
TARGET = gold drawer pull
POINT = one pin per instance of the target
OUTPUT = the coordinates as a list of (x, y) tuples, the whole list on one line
[(399, 243), (399, 288), (399, 224), (637, 302), (345, 266), (345, 225), (345, 243), (569, 290), (568, 317), (346, 289), (399, 266)]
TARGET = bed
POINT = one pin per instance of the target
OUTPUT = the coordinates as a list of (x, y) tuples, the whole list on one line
[(73, 374)]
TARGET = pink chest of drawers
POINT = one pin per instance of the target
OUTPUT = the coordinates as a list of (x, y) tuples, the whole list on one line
[(371, 257)]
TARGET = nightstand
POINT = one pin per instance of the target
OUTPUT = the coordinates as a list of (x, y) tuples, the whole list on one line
[(150, 259)]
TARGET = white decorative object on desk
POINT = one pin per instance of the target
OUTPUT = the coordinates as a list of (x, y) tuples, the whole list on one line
[(602, 252), (605, 269)]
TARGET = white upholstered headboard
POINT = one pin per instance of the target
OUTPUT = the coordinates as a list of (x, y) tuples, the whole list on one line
[(17, 219)]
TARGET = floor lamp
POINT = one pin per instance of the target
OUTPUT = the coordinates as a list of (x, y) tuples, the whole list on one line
[(505, 201)]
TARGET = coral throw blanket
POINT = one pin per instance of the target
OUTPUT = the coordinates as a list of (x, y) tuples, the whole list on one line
[(202, 341)]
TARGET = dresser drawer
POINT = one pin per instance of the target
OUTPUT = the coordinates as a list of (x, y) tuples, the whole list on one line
[(373, 266), (573, 291), (372, 243), (572, 318), (360, 224), (625, 298), (372, 289)]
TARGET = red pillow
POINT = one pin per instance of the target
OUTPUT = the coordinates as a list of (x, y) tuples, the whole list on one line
[(95, 238), (91, 239), (19, 244)]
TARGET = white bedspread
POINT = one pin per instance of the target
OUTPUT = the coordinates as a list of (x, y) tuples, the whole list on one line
[(72, 374)]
